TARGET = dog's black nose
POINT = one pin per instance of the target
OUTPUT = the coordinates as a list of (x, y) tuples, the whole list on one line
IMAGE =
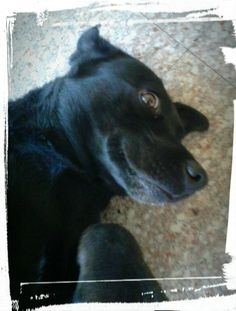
[(196, 176)]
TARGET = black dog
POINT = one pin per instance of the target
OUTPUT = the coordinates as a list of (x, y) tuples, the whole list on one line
[(107, 127)]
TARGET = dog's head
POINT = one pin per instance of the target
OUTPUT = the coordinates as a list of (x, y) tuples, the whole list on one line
[(137, 129)]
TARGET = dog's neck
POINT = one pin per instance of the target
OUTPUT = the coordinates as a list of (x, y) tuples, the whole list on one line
[(70, 129)]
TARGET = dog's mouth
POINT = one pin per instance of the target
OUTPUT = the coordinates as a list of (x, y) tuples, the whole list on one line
[(137, 183), (146, 189), (150, 192)]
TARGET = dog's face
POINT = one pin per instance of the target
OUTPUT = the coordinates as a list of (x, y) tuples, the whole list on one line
[(137, 129)]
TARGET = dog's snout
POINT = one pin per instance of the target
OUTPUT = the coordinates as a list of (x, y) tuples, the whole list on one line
[(196, 176)]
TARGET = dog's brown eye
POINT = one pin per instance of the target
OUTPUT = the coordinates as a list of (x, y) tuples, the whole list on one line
[(150, 99)]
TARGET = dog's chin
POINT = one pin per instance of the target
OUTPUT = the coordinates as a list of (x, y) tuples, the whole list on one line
[(150, 198), (151, 194), (157, 199), (145, 192)]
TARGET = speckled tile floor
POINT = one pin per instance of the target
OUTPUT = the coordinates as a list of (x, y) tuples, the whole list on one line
[(186, 239)]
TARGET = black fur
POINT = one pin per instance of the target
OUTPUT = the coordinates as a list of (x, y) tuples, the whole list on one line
[(81, 139), (110, 252)]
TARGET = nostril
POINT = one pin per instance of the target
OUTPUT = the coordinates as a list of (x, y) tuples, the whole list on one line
[(195, 173), (196, 178)]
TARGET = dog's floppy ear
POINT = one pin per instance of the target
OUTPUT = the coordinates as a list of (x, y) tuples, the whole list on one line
[(192, 119), (91, 47)]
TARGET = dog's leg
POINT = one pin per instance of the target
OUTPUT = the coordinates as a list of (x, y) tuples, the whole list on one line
[(109, 252)]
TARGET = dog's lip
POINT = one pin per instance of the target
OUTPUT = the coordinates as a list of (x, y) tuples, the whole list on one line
[(178, 197), (167, 194), (150, 182), (175, 197)]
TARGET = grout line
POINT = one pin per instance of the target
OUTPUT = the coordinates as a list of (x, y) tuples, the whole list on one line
[(188, 50)]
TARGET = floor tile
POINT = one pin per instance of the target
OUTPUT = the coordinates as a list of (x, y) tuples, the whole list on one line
[(204, 40), (41, 52)]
